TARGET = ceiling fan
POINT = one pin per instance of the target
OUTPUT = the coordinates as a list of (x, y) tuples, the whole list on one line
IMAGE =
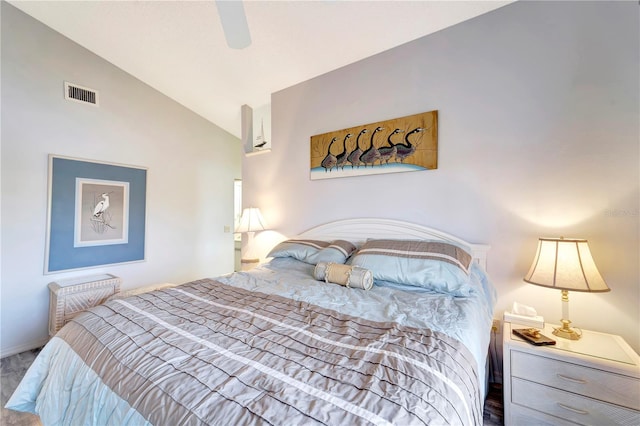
[(234, 23)]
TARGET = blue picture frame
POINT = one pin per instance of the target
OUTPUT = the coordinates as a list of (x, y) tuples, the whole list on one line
[(71, 202)]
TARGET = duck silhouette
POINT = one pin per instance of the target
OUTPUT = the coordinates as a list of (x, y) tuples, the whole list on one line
[(386, 152), (342, 157), (372, 154), (354, 157), (405, 150), (329, 162)]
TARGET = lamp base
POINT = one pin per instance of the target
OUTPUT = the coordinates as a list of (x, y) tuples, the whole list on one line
[(567, 332), (248, 264)]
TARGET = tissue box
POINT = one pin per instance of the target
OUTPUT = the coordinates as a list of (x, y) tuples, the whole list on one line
[(536, 321)]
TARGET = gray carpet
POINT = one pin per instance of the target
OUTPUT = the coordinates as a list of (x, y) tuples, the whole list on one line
[(12, 369)]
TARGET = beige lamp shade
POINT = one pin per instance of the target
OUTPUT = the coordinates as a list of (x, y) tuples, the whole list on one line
[(565, 264), (251, 220)]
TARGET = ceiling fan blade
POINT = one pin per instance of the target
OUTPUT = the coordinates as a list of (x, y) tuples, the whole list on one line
[(234, 23)]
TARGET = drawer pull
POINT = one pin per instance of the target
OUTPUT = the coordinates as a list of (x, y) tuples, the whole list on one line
[(573, 410), (571, 379)]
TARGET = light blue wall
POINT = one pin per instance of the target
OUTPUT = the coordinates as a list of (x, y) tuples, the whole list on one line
[(538, 136), (191, 167)]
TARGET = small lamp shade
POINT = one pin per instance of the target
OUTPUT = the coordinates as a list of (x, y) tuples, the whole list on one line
[(565, 264), (251, 221)]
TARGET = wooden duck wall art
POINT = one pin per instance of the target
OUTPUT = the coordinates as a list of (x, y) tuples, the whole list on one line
[(403, 144)]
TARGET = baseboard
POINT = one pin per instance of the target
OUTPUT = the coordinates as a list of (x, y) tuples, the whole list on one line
[(22, 348)]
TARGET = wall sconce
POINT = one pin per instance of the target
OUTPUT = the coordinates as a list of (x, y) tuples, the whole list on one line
[(567, 265)]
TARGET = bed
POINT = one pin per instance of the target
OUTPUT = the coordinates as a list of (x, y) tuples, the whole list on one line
[(275, 345)]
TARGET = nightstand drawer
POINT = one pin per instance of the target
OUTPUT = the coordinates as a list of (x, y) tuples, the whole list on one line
[(524, 416), (569, 406), (601, 385)]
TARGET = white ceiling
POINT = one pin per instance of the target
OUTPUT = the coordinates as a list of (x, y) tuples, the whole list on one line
[(178, 47)]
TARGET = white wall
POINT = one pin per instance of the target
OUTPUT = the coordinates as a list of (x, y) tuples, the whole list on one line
[(538, 136), (191, 168)]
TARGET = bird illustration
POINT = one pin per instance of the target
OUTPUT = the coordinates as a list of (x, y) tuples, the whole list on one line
[(402, 150), (102, 206), (372, 154), (329, 162), (386, 152), (342, 157), (354, 157)]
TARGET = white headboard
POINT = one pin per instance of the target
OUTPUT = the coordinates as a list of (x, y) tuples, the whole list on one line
[(358, 230)]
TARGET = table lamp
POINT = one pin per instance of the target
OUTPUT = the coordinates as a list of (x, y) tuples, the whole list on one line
[(565, 264), (251, 221)]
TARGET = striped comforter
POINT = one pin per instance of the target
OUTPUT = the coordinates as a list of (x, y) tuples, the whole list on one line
[(210, 353)]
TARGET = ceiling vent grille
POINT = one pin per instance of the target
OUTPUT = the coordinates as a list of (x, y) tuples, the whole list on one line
[(73, 92)]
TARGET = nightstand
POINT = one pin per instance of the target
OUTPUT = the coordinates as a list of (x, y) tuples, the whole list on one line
[(67, 298), (591, 381)]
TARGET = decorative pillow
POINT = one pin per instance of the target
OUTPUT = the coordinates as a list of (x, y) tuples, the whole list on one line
[(434, 265), (346, 275), (312, 251)]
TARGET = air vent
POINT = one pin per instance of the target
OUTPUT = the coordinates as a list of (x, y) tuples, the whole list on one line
[(84, 95)]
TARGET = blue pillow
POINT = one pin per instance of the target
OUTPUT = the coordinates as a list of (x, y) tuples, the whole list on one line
[(313, 251), (433, 265)]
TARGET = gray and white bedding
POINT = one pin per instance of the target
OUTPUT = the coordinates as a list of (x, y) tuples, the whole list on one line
[(270, 346)]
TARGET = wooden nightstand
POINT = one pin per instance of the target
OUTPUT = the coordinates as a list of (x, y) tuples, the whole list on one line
[(67, 298), (594, 380)]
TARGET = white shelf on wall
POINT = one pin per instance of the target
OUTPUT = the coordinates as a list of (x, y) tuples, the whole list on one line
[(256, 127), (257, 152)]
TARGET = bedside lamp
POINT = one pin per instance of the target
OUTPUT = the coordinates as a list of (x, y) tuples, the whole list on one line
[(251, 221), (565, 264)]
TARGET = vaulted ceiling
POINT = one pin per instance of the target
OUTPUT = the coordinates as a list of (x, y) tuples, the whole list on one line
[(179, 48)]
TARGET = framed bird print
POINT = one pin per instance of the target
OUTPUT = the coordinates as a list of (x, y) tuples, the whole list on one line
[(96, 214), (404, 144), (101, 213)]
